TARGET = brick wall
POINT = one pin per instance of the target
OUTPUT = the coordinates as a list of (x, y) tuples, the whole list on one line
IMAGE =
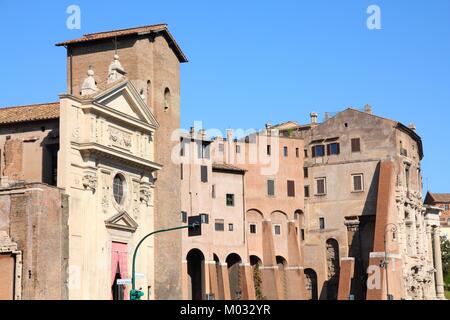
[(37, 215)]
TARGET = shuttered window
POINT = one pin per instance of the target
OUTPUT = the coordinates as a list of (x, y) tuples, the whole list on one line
[(204, 173), (358, 182), (270, 187), (219, 225), (306, 191), (291, 188), (356, 145), (321, 188)]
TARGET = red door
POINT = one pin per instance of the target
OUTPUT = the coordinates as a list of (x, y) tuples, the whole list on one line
[(119, 270)]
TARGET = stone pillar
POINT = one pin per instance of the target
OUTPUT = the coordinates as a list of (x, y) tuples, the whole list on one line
[(438, 264), (213, 280), (185, 281), (247, 283), (295, 277), (270, 277), (226, 282), (345, 278)]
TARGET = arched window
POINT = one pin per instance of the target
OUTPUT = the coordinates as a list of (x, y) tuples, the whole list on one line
[(148, 93), (167, 99)]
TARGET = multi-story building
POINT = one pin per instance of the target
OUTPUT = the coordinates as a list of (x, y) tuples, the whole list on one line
[(363, 206), (250, 193)]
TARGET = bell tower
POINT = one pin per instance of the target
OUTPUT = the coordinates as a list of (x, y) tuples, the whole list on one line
[(151, 58)]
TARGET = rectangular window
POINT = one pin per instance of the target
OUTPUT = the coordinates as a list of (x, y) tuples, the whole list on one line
[(306, 191), (297, 152), (230, 200), (271, 188), (333, 149), (318, 151), (183, 216), (220, 147), (277, 229), (322, 223), (203, 150), (213, 191), (181, 171), (407, 180), (204, 217), (302, 234), (182, 148), (321, 186), (356, 145), (305, 172), (219, 225), (291, 188), (306, 153), (238, 149), (204, 173), (285, 152), (269, 150), (358, 182), (447, 207), (230, 227), (253, 228)]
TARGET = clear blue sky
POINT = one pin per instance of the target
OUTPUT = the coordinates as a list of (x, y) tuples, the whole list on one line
[(258, 61)]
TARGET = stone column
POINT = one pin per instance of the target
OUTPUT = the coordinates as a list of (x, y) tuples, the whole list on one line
[(247, 283), (226, 282), (438, 264)]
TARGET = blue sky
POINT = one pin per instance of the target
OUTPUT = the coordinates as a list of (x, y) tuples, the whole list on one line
[(258, 61)]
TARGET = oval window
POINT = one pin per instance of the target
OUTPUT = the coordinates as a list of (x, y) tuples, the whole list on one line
[(119, 188)]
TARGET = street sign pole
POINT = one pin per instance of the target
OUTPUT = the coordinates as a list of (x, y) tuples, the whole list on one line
[(137, 294)]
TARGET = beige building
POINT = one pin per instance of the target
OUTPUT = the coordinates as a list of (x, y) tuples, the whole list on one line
[(363, 207)]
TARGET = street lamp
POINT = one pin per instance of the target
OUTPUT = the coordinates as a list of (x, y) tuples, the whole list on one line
[(137, 294), (390, 227)]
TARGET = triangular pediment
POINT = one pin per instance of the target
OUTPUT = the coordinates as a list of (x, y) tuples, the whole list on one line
[(122, 221), (125, 100)]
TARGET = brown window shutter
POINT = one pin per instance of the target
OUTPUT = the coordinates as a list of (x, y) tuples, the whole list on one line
[(356, 145), (291, 188), (204, 174)]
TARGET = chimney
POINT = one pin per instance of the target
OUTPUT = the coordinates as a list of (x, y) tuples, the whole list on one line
[(412, 126), (202, 134), (230, 134), (368, 109), (313, 116)]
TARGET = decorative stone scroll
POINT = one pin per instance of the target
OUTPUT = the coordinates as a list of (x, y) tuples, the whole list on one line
[(90, 181)]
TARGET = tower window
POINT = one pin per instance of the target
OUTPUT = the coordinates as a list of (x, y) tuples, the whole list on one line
[(167, 99)]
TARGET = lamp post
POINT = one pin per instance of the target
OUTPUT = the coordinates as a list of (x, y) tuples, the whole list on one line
[(137, 294), (390, 227)]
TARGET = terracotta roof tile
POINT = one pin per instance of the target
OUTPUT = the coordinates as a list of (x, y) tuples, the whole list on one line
[(162, 27), (441, 197), (34, 112)]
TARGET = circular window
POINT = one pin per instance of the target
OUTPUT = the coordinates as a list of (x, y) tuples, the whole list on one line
[(119, 188)]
